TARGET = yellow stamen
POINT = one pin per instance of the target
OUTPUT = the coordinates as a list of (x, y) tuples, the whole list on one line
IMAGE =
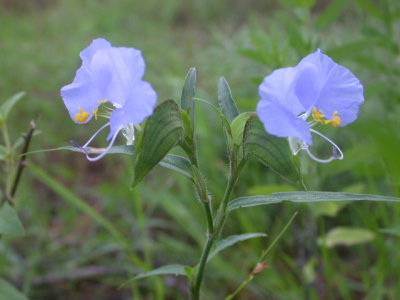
[(317, 115), (95, 111), (336, 120), (82, 116)]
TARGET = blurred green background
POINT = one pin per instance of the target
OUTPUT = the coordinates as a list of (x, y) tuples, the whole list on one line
[(69, 254)]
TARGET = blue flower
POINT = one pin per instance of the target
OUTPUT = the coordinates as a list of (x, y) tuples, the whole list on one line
[(113, 76), (316, 91)]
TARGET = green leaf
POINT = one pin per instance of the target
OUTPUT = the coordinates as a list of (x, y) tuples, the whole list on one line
[(346, 236), (6, 107), (305, 197), (3, 152), (162, 132), (188, 92), (237, 127), (164, 270), (331, 13), (271, 151), (391, 231), (170, 161), (9, 292), (123, 149), (187, 123), (371, 9), (232, 240), (177, 163), (226, 102), (10, 224)]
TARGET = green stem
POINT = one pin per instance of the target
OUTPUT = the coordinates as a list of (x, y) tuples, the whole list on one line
[(261, 260), (210, 221), (265, 253), (244, 283), (202, 264), (212, 238), (221, 215)]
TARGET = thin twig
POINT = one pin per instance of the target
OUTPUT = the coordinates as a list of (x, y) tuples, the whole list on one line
[(22, 160), (261, 264)]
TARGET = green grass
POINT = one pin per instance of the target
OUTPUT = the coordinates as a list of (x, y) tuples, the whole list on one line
[(161, 220)]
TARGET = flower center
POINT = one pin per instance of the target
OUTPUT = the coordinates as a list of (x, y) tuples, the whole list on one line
[(83, 115), (319, 117)]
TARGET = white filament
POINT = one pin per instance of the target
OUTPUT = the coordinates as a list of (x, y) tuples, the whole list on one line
[(335, 150), (83, 148), (105, 150)]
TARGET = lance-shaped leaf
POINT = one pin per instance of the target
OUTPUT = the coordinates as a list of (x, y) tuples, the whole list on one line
[(121, 149), (188, 92), (232, 240), (164, 270), (170, 161), (162, 131), (270, 150), (9, 221), (177, 163), (305, 197), (226, 102), (6, 107), (9, 292)]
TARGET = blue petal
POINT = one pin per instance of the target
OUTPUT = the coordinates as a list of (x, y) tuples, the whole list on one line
[(138, 106), (80, 94), (278, 87), (116, 71), (340, 91), (307, 84), (88, 53), (281, 122)]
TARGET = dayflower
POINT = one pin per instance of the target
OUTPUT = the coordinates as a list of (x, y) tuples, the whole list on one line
[(110, 76), (316, 91)]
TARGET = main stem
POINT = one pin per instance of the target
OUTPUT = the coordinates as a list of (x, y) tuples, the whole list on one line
[(212, 237), (202, 264)]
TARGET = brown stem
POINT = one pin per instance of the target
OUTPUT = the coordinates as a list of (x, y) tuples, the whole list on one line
[(22, 161)]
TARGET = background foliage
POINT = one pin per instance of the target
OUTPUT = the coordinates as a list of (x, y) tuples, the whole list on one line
[(80, 217)]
